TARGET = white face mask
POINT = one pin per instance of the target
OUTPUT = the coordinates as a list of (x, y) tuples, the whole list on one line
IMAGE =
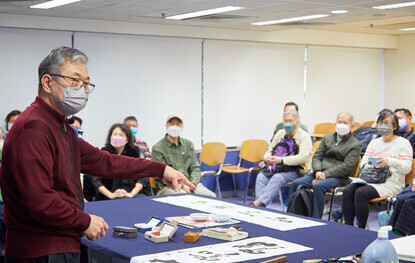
[(9, 126), (74, 100), (174, 131), (402, 124), (342, 129)]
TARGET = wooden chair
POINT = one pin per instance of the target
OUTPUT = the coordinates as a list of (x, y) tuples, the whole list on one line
[(324, 128), (367, 123), (389, 198), (213, 154), (413, 125), (356, 126), (316, 144), (408, 180), (338, 190), (252, 151)]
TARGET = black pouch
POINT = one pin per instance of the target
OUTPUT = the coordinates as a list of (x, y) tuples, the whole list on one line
[(124, 232)]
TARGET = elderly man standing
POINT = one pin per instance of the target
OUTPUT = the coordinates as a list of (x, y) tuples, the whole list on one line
[(333, 163), (178, 153), (288, 166), (39, 175)]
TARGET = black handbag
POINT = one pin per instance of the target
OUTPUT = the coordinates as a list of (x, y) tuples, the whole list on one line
[(375, 175)]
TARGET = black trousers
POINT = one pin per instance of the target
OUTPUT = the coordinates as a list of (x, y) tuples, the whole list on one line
[(355, 202), (55, 258)]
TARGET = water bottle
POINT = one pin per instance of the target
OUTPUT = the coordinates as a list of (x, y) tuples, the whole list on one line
[(381, 250)]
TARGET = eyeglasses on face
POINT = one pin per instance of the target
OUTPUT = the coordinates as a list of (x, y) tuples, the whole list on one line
[(76, 83)]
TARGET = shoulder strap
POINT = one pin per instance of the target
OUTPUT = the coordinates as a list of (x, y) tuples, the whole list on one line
[(307, 202)]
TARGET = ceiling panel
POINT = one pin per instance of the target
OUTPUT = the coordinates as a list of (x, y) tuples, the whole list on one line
[(359, 19)]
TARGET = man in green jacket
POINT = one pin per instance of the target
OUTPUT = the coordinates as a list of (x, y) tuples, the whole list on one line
[(333, 163), (180, 154)]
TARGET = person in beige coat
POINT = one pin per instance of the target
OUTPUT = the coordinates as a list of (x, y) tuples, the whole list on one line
[(286, 168)]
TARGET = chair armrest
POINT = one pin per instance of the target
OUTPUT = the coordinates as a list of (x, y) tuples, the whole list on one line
[(208, 172)]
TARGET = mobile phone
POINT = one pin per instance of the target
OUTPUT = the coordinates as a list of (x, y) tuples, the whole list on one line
[(374, 161)]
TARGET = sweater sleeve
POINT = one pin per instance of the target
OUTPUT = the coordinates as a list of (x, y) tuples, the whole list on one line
[(111, 166), (305, 146), (404, 162)]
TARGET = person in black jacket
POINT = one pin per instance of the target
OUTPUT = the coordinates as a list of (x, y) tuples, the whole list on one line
[(120, 141)]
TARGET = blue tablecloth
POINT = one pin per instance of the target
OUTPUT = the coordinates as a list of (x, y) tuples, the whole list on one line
[(331, 240)]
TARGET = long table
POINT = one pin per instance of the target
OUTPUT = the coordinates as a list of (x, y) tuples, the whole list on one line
[(328, 241)]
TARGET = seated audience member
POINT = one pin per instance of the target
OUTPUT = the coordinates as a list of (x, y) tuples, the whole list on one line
[(365, 134), (280, 126), (402, 219), (10, 119), (132, 122), (76, 123), (333, 163), (391, 151), (120, 141), (405, 128), (179, 153), (283, 169)]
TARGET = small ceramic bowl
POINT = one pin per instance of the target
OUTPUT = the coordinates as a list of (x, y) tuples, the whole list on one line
[(199, 216), (221, 218)]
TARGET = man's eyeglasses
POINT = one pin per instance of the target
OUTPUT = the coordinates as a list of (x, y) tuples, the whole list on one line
[(77, 83)]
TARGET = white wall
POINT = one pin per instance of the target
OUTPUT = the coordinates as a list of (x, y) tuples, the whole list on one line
[(245, 83), (21, 51), (246, 87), (400, 75), (148, 77), (343, 80)]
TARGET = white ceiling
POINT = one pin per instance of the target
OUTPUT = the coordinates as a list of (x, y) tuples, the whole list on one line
[(361, 18)]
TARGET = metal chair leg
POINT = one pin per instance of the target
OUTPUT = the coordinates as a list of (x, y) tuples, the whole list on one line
[(331, 204), (218, 187), (234, 184), (247, 186)]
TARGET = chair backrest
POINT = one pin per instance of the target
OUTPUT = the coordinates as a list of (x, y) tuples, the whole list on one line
[(356, 126), (213, 153), (410, 176), (356, 170), (325, 128), (253, 150), (367, 123), (316, 144), (152, 182)]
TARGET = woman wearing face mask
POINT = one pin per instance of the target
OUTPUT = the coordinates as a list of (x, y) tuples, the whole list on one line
[(120, 141), (390, 151)]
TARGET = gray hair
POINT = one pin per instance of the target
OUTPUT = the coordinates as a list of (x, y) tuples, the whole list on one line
[(52, 63), (292, 112), (348, 114)]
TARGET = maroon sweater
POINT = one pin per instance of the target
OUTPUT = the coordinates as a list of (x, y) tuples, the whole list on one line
[(39, 178)]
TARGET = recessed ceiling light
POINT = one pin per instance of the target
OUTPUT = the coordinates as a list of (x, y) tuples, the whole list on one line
[(407, 29), (286, 20), (205, 12), (399, 5), (339, 11), (53, 3)]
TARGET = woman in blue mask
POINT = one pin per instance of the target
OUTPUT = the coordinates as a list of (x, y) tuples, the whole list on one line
[(386, 152)]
